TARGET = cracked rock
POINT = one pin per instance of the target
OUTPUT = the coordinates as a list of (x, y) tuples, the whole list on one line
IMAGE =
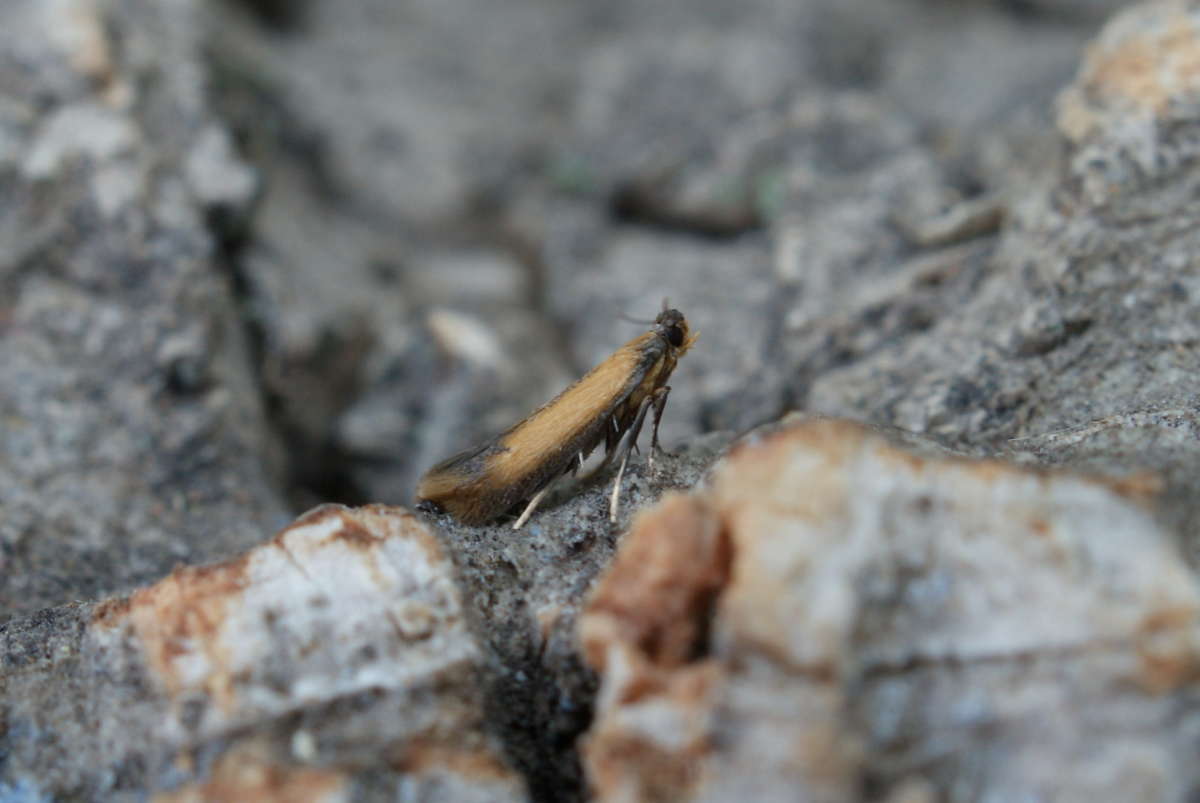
[(132, 436), (333, 660), (838, 613), (1081, 321), (523, 591)]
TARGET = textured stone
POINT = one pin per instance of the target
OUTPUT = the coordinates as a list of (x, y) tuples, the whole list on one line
[(333, 653), (131, 432), (242, 774), (1083, 323), (403, 226), (580, 181), (523, 591), (838, 613)]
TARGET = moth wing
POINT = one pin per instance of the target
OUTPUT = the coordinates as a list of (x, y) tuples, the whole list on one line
[(465, 463)]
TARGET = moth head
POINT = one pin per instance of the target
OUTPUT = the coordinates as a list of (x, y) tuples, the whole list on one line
[(672, 327)]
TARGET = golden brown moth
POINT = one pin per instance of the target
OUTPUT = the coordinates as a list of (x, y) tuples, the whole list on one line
[(607, 405)]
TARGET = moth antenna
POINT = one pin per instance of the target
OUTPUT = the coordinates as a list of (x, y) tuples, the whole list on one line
[(627, 317)]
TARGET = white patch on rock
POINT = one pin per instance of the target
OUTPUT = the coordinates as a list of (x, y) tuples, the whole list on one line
[(84, 130)]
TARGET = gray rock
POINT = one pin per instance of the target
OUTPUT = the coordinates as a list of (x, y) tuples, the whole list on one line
[(333, 661), (1084, 323), (375, 233), (133, 438), (521, 167), (838, 613), (523, 591)]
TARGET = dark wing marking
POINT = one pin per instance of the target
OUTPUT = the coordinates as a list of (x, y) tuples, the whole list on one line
[(468, 462)]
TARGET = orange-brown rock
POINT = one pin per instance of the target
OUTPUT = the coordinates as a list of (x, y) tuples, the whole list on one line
[(337, 647), (658, 598), (877, 619), (1143, 62), (247, 773)]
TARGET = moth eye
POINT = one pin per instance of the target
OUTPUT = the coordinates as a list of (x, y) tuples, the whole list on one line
[(675, 336)]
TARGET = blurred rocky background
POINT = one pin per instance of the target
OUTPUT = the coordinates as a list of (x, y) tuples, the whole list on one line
[(258, 256)]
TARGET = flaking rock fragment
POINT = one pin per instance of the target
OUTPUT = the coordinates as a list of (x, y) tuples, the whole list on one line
[(333, 661), (838, 613)]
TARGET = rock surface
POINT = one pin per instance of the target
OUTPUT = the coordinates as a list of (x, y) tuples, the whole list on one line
[(333, 662), (838, 615), (132, 435), (258, 255), (1088, 289), (582, 182), (1079, 344), (523, 591)]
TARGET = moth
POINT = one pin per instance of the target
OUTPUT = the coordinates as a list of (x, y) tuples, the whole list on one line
[(608, 405)]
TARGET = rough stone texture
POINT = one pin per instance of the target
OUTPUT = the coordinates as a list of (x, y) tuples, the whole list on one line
[(1083, 333), (574, 178), (1088, 290), (376, 147), (332, 661), (244, 774), (523, 591), (901, 623), (803, 224), (377, 232), (131, 433)]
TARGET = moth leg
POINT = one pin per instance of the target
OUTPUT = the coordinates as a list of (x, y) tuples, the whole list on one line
[(624, 448), (532, 506), (616, 491), (659, 398)]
